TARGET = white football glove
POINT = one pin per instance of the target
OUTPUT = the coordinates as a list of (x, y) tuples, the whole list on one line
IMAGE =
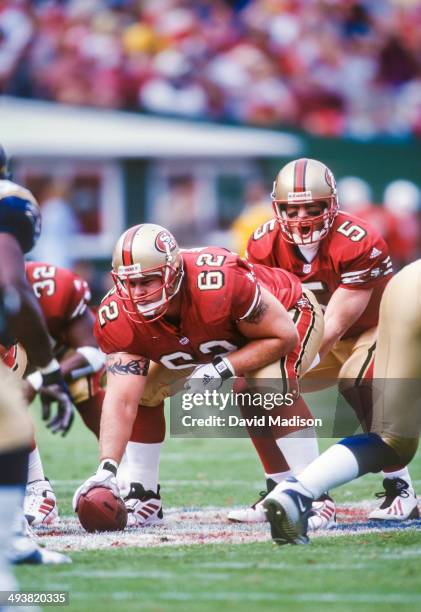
[(104, 477), (210, 376)]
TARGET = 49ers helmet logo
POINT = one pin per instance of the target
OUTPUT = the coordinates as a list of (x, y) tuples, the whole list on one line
[(330, 179), (165, 242)]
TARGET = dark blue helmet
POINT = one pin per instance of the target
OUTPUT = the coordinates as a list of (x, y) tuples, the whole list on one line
[(4, 172)]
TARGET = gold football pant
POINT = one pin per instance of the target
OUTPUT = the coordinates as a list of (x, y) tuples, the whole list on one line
[(15, 424), (397, 367), (349, 359)]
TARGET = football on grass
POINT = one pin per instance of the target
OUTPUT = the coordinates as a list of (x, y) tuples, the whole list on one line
[(99, 510)]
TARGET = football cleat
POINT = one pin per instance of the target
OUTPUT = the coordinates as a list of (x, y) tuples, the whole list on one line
[(287, 510), (143, 507), (24, 550), (322, 514), (254, 513), (399, 504), (40, 504)]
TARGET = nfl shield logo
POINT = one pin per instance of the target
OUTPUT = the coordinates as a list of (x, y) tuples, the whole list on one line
[(307, 268)]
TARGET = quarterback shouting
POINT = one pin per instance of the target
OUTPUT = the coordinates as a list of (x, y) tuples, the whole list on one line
[(346, 263), (203, 315)]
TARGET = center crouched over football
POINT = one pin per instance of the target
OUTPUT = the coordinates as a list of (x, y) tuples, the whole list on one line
[(99, 510)]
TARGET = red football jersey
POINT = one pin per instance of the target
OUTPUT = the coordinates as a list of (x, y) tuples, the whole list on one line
[(62, 295), (218, 289), (353, 255)]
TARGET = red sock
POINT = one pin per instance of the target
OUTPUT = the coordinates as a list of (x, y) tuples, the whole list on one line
[(270, 455), (149, 426)]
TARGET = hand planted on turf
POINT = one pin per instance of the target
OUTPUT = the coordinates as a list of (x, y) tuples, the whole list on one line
[(103, 478), (55, 391)]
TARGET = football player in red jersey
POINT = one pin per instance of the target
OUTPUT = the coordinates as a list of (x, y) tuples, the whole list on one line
[(396, 425), (346, 263), (63, 297), (202, 315)]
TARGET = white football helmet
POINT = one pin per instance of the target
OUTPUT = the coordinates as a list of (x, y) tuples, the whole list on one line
[(147, 250), (305, 182)]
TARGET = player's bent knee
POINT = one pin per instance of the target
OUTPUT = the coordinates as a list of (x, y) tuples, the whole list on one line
[(405, 448)]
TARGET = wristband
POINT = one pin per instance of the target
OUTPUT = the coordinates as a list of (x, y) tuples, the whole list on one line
[(35, 380), (224, 368), (53, 366), (110, 465), (93, 356)]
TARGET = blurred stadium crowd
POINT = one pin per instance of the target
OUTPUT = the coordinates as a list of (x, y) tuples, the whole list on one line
[(330, 67)]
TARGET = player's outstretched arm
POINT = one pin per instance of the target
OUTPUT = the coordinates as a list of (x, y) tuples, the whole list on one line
[(126, 379), (344, 309)]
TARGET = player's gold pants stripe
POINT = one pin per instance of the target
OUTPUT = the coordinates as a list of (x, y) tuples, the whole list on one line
[(366, 364), (285, 383), (307, 336)]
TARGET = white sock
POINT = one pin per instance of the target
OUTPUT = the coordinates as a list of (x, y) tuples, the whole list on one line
[(279, 476), (35, 469), (124, 463), (334, 467), (144, 463), (403, 473), (299, 448), (10, 500)]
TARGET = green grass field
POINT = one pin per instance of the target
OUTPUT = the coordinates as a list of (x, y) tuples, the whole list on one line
[(354, 571)]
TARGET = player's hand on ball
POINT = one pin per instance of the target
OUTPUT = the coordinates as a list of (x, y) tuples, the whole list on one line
[(104, 477), (210, 376)]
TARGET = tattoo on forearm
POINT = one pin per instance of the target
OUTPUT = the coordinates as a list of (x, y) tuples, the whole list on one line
[(258, 313), (136, 367)]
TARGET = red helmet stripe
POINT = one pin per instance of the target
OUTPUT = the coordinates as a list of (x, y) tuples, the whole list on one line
[(127, 246), (300, 175)]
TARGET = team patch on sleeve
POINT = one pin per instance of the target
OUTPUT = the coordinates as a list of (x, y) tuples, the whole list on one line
[(378, 270)]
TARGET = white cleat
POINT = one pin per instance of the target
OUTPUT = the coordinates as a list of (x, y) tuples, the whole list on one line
[(24, 550), (254, 513), (322, 514), (400, 502), (40, 504), (287, 509), (143, 507)]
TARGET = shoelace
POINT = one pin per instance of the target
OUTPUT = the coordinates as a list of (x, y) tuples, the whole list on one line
[(394, 489)]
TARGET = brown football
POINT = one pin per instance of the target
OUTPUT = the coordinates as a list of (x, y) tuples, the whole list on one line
[(99, 510)]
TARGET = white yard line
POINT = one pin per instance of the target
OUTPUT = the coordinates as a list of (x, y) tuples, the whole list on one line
[(187, 527), (234, 596)]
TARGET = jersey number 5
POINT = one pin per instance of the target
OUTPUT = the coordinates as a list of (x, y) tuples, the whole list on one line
[(352, 231)]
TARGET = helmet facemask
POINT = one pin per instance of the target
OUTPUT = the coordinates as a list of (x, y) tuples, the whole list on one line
[(309, 230), (153, 304)]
